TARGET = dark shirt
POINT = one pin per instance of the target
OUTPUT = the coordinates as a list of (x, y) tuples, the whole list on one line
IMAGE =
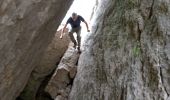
[(76, 23)]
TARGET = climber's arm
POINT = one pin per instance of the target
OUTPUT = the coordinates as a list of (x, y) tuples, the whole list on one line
[(87, 26), (61, 36)]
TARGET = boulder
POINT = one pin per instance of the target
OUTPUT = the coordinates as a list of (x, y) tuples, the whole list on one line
[(60, 84), (26, 29), (46, 67)]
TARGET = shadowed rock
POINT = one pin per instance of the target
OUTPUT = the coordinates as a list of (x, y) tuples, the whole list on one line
[(47, 65), (61, 81), (26, 29)]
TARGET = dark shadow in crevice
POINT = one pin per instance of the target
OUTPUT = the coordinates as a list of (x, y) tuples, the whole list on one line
[(41, 93)]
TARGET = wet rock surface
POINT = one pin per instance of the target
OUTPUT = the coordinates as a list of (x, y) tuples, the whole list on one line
[(26, 29), (127, 55), (60, 84)]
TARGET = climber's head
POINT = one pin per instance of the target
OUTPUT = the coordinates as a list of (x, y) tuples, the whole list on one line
[(74, 16)]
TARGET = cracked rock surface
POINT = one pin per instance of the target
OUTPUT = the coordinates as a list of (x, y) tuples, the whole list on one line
[(60, 84), (127, 56), (46, 67), (26, 29)]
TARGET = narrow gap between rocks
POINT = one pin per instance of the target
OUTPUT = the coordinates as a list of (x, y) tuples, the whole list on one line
[(66, 68), (61, 82), (85, 9)]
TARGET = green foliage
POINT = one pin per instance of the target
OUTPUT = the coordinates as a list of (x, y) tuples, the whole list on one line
[(137, 50), (168, 71), (132, 4), (153, 77), (27, 92), (163, 8)]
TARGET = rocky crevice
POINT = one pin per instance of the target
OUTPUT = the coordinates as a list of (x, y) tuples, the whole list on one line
[(46, 67), (126, 56), (162, 83), (61, 82)]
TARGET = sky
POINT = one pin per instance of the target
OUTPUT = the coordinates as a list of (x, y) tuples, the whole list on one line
[(81, 7)]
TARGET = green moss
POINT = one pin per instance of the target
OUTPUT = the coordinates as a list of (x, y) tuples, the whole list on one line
[(28, 91), (163, 8), (168, 71), (153, 78), (130, 4), (137, 50)]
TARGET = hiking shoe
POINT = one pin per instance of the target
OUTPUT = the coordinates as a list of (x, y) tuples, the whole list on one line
[(79, 51), (78, 48), (74, 46)]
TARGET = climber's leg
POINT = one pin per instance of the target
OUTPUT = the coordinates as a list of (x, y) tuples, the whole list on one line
[(72, 39), (78, 31)]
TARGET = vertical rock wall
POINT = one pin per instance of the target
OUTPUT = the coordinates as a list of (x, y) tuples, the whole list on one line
[(26, 28), (127, 56)]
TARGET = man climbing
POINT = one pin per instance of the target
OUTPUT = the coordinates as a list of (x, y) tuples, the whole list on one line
[(75, 21)]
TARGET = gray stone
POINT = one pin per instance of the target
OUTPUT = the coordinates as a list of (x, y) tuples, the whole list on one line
[(127, 55), (60, 84), (50, 59), (26, 29)]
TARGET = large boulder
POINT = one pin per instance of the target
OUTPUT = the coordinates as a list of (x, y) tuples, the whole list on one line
[(46, 67), (127, 56), (26, 29), (60, 84)]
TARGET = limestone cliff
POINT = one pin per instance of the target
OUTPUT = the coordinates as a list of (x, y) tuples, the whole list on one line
[(127, 56), (26, 29)]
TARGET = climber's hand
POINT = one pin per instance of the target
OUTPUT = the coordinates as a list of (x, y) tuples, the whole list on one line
[(61, 36), (88, 30)]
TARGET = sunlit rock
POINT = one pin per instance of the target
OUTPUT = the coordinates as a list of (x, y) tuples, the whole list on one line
[(127, 55)]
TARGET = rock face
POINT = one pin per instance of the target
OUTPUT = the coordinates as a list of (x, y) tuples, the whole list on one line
[(60, 84), (26, 29), (50, 59), (127, 56)]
